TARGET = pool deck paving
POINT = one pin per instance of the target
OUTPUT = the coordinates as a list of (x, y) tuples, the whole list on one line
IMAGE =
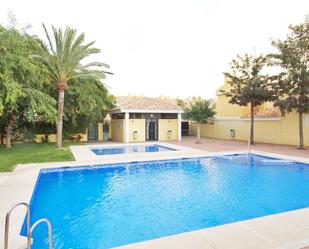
[(219, 145), (289, 230), (84, 153), (3, 176)]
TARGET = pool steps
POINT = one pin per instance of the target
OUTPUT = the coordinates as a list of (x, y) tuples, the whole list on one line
[(29, 229)]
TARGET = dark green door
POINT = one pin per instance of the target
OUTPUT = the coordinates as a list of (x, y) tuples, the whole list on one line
[(151, 129), (93, 132)]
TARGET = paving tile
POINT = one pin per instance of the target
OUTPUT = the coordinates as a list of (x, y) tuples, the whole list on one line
[(298, 217), (181, 241), (3, 177), (234, 236), (279, 231)]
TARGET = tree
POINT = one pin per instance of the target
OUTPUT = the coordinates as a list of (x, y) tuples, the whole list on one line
[(63, 56), (87, 102), (292, 83), (22, 80), (200, 111), (248, 85)]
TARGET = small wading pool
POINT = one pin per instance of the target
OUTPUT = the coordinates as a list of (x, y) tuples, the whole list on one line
[(130, 149), (107, 206)]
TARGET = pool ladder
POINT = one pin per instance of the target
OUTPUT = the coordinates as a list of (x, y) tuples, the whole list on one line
[(29, 229)]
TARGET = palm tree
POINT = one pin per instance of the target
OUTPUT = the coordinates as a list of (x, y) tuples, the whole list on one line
[(63, 55)]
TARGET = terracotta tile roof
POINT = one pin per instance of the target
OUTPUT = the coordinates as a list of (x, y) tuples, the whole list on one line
[(146, 103)]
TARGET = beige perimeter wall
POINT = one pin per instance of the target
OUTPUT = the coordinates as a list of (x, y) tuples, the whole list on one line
[(282, 131), (53, 138)]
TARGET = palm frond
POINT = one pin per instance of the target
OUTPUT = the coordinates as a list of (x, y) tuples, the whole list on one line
[(48, 39), (96, 64), (65, 54)]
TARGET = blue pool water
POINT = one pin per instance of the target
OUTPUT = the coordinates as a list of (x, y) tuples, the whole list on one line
[(106, 207), (130, 149)]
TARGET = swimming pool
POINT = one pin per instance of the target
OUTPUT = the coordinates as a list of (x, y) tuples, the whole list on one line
[(130, 149), (104, 207)]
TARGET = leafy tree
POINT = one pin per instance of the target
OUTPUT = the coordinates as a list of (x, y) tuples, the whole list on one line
[(63, 56), (293, 83), (87, 102), (248, 85), (22, 82), (200, 111)]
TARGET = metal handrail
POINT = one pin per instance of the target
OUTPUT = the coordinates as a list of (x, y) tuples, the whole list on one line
[(7, 225), (49, 227)]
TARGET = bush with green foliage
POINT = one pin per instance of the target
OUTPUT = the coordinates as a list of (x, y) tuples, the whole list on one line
[(45, 139)]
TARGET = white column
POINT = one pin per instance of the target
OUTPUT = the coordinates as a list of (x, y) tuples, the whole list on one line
[(126, 127), (179, 126)]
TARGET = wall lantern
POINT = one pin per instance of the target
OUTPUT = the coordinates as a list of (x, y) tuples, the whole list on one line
[(232, 133), (169, 134), (135, 135)]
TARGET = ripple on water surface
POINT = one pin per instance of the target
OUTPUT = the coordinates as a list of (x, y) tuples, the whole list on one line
[(107, 207)]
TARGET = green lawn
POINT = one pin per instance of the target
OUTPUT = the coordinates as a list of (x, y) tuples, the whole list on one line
[(32, 153)]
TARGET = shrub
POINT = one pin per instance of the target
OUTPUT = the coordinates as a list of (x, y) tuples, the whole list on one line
[(45, 139)]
